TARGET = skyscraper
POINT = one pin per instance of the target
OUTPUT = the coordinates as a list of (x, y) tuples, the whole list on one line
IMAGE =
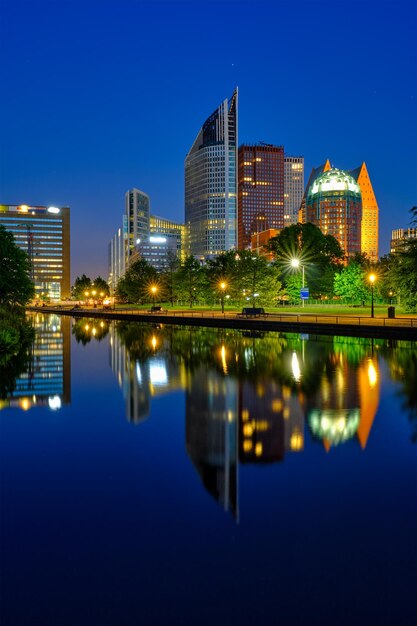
[(334, 204), (137, 217), (44, 233), (293, 188), (261, 190), (211, 183)]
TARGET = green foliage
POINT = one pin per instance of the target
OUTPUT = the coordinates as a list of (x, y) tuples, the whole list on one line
[(169, 277), (135, 285), (400, 272), (321, 255), (16, 336), (191, 281), (84, 283), (16, 286), (350, 284)]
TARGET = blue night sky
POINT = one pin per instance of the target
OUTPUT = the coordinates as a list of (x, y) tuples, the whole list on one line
[(102, 96)]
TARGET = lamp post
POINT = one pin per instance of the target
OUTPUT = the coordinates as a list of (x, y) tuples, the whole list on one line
[(154, 289), (86, 293), (296, 263), (372, 279), (222, 286), (94, 293)]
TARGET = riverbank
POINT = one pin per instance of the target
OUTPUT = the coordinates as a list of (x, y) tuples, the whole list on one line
[(309, 323)]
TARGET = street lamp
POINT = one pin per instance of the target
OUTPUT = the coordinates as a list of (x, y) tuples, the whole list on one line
[(86, 293), (296, 263), (372, 279), (222, 286), (154, 289)]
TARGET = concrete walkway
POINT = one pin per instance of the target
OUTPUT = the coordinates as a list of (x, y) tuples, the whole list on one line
[(352, 325)]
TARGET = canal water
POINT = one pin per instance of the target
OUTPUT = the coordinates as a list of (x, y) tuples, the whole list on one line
[(170, 475)]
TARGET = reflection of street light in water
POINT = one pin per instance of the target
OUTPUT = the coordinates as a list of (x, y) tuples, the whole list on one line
[(154, 342), (223, 358), (372, 373), (296, 263), (295, 366)]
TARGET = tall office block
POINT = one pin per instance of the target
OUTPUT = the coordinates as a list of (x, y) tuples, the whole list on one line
[(211, 183), (293, 188), (137, 214), (334, 204), (260, 189), (369, 228), (117, 257), (44, 233), (163, 226), (315, 172)]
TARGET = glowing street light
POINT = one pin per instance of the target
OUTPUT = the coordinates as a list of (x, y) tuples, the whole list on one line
[(153, 290), (296, 263), (222, 287), (372, 279)]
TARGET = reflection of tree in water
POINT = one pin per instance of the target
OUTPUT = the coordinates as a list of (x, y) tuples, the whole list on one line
[(14, 363), (402, 360), (246, 356), (87, 329)]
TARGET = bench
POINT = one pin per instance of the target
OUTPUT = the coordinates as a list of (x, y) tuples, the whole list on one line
[(155, 309), (250, 311)]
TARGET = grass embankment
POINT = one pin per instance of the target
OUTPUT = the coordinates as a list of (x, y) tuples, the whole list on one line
[(380, 310)]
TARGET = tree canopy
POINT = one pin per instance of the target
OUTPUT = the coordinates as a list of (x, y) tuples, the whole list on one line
[(16, 286)]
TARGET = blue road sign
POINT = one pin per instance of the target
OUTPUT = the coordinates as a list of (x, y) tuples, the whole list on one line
[(304, 293)]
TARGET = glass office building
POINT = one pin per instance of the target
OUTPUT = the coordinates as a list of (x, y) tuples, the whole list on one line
[(137, 217), (44, 234), (211, 183), (293, 188)]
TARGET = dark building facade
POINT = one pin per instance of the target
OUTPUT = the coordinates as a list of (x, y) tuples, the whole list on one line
[(260, 190)]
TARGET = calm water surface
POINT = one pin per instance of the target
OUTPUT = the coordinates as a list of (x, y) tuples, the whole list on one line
[(160, 475)]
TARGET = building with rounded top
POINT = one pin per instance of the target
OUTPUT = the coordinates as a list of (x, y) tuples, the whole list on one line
[(334, 204)]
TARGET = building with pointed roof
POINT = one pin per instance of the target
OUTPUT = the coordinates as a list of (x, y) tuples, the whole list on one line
[(370, 213), (211, 183)]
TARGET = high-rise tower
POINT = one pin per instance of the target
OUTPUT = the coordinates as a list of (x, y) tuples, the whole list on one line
[(293, 188), (369, 229), (211, 183), (334, 204), (137, 217), (261, 190)]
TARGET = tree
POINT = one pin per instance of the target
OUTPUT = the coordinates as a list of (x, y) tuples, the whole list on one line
[(402, 270), (81, 285), (191, 280), (350, 284), (101, 286), (135, 285), (16, 286), (257, 279), (169, 277), (320, 254)]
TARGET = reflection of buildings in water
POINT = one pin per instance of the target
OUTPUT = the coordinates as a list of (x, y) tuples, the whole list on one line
[(346, 405), (211, 434), (142, 379), (47, 381), (271, 421)]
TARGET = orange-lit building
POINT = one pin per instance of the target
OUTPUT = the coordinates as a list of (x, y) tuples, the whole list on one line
[(260, 190), (369, 227), (261, 239), (370, 211)]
